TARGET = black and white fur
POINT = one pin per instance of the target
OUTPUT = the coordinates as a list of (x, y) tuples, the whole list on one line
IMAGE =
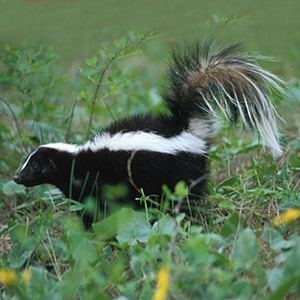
[(147, 151)]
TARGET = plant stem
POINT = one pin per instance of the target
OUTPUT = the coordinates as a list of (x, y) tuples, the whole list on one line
[(115, 56), (71, 120), (19, 132)]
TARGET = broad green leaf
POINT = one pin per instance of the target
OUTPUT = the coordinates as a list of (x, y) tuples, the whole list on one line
[(165, 226), (10, 188), (181, 189), (242, 289), (275, 278), (272, 236), (122, 298), (230, 226), (43, 286), (285, 288), (21, 252), (81, 247), (198, 252), (117, 223), (245, 250), (136, 266), (291, 268), (135, 229), (221, 259), (18, 232)]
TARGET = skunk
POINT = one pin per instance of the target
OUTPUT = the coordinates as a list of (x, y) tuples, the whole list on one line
[(145, 152)]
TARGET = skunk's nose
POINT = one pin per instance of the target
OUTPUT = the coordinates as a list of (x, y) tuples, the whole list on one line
[(16, 178)]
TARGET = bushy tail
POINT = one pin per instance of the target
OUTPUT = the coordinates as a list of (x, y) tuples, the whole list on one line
[(204, 82)]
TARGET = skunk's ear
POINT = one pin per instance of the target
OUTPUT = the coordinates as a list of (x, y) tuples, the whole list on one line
[(50, 157), (53, 161)]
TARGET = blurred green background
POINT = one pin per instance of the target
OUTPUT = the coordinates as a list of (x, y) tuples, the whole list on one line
[(76, 28)]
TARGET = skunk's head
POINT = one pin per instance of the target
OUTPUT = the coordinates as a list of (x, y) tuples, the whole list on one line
[(40, 167)]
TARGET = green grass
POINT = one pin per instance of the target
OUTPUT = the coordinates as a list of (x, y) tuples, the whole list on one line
[(234, 252)]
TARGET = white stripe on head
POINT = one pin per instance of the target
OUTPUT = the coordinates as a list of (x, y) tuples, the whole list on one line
[(147, 141), (71, 148), (27, 160)]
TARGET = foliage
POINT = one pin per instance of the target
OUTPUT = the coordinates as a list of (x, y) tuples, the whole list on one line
[(237, 251)]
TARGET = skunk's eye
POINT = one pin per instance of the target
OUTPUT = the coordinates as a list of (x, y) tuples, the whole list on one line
[(35, 168)]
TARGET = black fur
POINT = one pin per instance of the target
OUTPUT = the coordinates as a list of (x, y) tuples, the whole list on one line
[(92, 172)]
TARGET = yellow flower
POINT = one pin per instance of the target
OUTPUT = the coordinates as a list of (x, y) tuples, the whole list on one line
[(289, 216), (8, 276), (26, 276), (163, 280)]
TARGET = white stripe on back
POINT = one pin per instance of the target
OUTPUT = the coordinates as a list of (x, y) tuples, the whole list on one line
[(138, 141)]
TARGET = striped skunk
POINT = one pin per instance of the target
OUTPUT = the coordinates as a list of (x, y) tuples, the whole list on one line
[(144, 152)]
